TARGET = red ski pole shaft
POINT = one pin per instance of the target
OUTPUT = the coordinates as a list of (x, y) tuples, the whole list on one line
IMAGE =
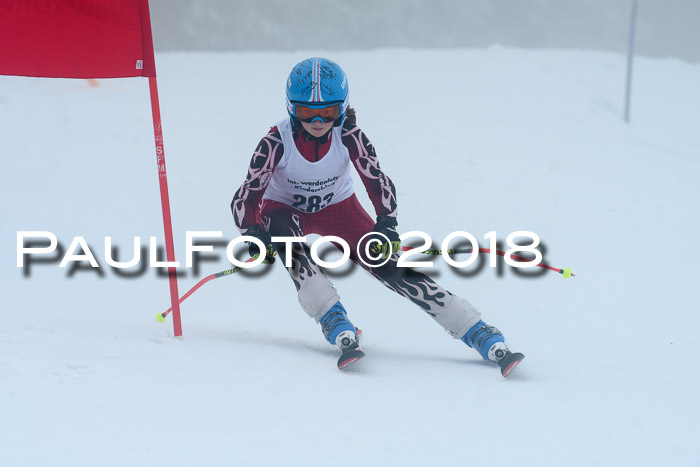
[(227, 272)]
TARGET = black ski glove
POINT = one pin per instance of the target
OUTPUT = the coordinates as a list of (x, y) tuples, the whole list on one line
[(386, 225), (253, 250)]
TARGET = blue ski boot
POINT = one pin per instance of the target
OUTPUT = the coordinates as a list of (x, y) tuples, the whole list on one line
[(490, 343), (339, 331)]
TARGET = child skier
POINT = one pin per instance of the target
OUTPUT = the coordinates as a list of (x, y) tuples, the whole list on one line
[(299, 183)]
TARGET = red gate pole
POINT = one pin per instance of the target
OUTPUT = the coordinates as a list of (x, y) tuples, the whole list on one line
[(165, 204), (150, 71)]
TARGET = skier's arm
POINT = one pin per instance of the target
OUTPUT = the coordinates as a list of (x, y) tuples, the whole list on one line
[(246, 201), (379, 187)]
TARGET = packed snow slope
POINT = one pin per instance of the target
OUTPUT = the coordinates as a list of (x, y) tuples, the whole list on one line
[(492, 140)]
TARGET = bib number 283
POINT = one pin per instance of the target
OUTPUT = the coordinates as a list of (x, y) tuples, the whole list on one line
[(312, 203)]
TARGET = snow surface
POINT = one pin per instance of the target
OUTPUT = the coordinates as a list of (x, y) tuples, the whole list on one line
[(497, 139)]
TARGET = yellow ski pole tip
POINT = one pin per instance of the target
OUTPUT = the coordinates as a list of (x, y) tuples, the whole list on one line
[(566, 273), (160, 318)]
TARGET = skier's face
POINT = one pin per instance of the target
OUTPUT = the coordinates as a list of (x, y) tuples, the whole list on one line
[(317, 128)]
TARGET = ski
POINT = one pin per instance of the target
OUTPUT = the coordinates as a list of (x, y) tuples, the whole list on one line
[(349, 357), (509, 362), (351, 352)]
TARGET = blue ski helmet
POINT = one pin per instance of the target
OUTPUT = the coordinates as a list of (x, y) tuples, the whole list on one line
[(317, 82)]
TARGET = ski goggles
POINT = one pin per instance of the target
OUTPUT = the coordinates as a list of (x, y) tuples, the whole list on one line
[(308, 114)]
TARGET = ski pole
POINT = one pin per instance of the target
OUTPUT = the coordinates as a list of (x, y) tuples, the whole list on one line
[(161, 316), (566, 272)]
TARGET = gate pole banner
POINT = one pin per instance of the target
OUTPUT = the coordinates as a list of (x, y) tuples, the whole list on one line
[(75, 38), (89, 39)]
